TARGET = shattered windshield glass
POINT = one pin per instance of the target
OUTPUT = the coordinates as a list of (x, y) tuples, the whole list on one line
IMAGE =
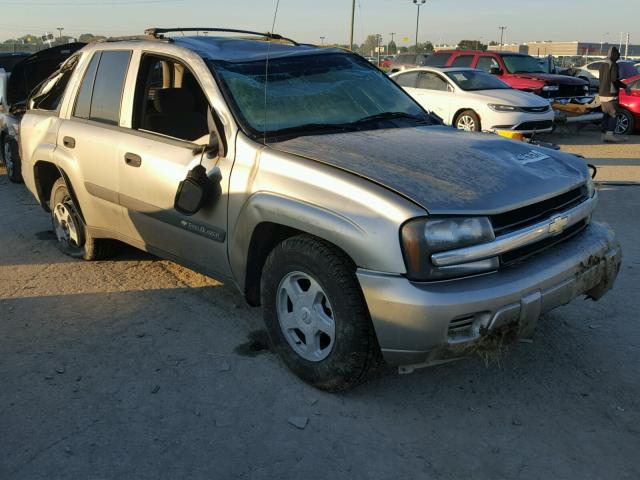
[(311, 91)]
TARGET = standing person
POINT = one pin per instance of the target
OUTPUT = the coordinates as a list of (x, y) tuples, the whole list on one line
[(610, 86)]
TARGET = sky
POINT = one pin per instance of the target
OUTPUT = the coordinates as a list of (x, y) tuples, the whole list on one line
[(441, 21)]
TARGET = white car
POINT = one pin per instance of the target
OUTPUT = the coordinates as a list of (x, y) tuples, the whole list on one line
[(473, 100), (591, 71)]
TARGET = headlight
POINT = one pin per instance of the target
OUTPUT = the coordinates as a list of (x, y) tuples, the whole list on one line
[(425, 236), (591, 188), (502, 108), (550, 88)]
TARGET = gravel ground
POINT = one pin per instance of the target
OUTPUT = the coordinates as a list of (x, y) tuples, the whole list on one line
[(137, 368)]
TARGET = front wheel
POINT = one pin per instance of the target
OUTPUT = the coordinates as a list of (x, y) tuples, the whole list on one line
[(468, 121), (316, 315), (12, 160), (624, 123), (73, 237)]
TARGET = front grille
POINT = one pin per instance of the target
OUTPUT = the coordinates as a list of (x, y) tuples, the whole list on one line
[(536, 109), (504, 223), (539, 125), (516, 256)]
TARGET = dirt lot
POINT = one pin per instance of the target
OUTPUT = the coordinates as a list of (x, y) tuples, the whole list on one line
[(139, 369)]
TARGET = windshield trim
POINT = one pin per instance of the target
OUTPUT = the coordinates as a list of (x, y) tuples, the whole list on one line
[(274, 136)]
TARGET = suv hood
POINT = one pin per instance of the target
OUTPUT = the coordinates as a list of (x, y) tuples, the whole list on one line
[(447, 171), (552, 78), (31, 71)]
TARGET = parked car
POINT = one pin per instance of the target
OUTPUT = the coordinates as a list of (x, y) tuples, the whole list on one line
[(403, 61), (14, 90), (522, 72), (364, 228), (629, 110), (473, 100), (591, 72)]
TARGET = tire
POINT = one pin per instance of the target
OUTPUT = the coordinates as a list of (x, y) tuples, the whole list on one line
[(468, 121), (73, 237), (11, 156), (296, 268), (624, 123)]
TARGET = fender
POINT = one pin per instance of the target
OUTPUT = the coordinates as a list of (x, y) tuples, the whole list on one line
[(296, 214)]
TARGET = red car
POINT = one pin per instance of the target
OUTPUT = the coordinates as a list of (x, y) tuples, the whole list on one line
[(629, 116), (522, 72)]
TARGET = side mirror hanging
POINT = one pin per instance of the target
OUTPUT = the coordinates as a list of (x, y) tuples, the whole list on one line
[(496, 71), (197, 190)]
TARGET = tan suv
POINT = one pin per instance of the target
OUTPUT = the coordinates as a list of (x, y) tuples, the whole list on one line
[(312, 182)]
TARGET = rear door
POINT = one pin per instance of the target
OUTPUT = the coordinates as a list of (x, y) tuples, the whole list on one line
[(169, 120), (88, 141)]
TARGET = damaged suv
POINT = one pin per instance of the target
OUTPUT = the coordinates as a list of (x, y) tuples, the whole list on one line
[(366, 230)]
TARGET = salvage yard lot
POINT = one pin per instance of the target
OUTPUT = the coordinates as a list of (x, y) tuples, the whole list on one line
[(138, 368)]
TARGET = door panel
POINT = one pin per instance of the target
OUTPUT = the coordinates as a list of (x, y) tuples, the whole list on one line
[(150, 169)]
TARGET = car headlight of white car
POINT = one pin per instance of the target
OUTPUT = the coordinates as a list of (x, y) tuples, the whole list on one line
[(496, 107), (425, 236)]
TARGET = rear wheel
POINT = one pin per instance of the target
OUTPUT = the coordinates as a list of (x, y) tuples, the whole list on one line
[(468, 121), (624, 123), (73, 237), (316, 316), (12, 160)]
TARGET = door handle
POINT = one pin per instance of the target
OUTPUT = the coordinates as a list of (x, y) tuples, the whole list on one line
[(69, 142), (132, 159)]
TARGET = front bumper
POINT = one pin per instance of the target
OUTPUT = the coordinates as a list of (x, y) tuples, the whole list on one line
[(419, 323)]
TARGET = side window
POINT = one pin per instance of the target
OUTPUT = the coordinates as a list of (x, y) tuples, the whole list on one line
[(82, 108), (108, 87), (169, 100), (437, 59), (407, 79), (486, 63), (100, 95), (49, 94), (595, 66), (432, 81), (462, 61)]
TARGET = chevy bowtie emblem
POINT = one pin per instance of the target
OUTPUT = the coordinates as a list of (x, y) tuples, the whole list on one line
[(558, 225)]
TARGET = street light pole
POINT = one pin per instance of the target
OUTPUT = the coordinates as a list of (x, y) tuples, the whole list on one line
[(60, 29), (322, 40), (418, 3), (389, 45), (353, 17), (502, 29)]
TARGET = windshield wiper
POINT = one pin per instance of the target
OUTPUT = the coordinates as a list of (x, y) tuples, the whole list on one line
[(391, 116)]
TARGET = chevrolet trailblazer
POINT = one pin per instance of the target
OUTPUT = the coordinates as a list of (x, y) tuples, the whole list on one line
[(366, 230)]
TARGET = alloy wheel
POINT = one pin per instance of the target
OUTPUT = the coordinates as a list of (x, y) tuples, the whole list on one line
[(466, 123), (67, 224), (306, 317), (622, 124)]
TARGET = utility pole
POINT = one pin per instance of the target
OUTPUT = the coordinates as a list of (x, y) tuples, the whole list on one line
[(626, 50), (353, 18), (389, 45), (418, 3), (60, 29), (502, 29)]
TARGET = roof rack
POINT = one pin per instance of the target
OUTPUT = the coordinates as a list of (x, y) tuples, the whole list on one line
[(131, 38), (158, 33)]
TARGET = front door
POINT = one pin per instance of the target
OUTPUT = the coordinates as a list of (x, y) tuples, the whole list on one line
[(169, 122), (434, 91)]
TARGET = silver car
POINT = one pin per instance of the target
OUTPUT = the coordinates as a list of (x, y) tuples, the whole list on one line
[(368, 232)]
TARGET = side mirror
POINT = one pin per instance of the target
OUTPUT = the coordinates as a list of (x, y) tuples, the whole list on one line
[(496, 71), (197, 190)]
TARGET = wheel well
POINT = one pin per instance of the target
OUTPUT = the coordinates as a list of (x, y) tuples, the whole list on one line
[(265, 237), (45, 175), (455, 117)]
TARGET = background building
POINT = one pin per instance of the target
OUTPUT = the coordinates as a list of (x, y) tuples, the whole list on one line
[(565, 49)]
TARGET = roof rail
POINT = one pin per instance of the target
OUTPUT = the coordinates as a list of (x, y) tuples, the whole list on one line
[(158, 32), (132, 38)]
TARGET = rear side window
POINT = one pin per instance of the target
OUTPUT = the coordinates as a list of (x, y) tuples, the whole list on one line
[(462, 61), (437, 59), (432, 81), (83, 102), (407, 79), (100, 95)]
